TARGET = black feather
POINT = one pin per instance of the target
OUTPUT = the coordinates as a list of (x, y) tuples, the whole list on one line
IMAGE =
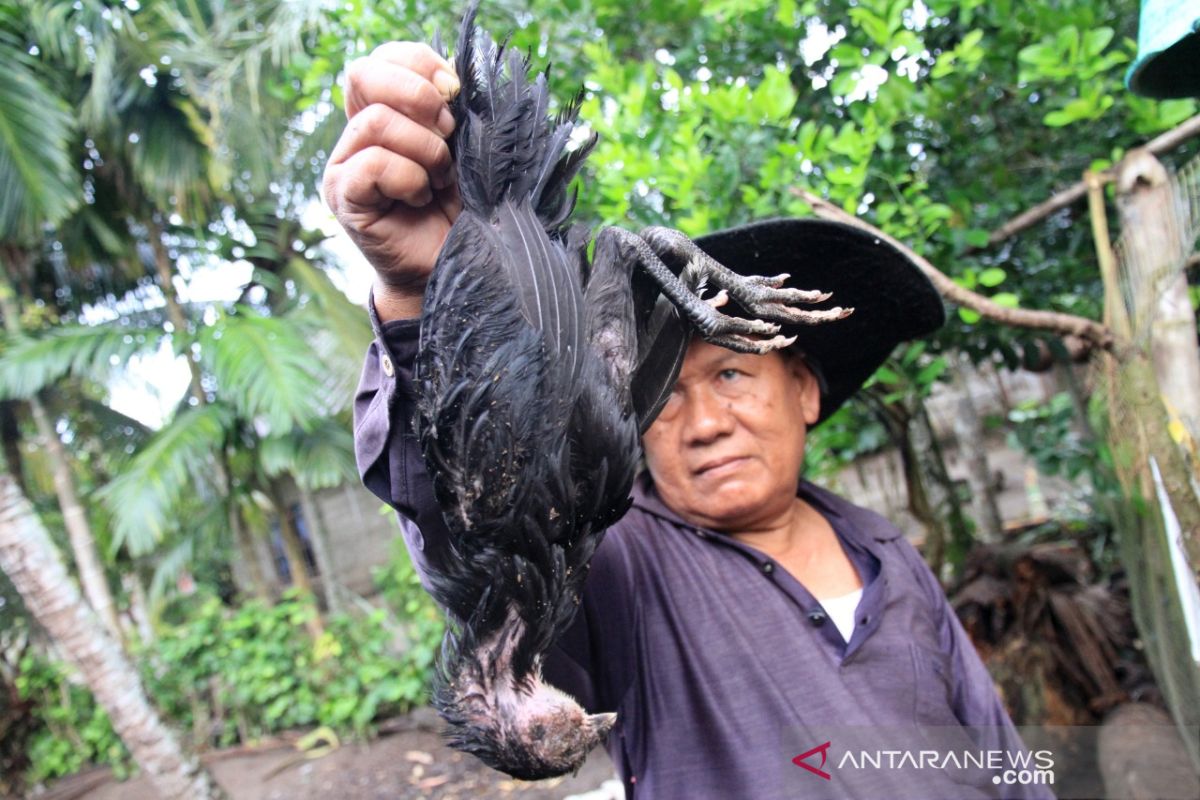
[(524, 415)]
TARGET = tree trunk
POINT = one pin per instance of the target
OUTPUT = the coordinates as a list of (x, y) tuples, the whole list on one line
[(162, 263), (30, 560), (10, 436), (139, 606), (294, 549), (247, 571), (968, 428), (1139, 433), (83, 543), (1155, 244), (931, 497), (320, 545), (943, 497)]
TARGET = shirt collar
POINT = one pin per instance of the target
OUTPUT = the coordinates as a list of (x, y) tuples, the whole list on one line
[(859, 527)]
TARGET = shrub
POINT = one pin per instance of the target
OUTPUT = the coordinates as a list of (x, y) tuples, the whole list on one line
[(227, 675)]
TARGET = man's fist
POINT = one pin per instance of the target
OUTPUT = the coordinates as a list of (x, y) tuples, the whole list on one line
[(390, 180)]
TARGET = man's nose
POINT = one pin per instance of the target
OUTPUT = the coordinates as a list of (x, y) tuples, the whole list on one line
[(708, 417)]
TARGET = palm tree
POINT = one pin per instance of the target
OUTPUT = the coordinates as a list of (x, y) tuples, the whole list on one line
[(30, 560), (40, 185)]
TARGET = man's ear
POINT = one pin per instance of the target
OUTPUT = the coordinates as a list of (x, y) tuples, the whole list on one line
[(810, 390)]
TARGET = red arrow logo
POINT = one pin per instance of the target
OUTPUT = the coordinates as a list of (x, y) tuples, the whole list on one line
[(822, 749)]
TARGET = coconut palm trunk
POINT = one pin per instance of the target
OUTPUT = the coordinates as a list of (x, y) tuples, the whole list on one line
[(83, 543), (32, 563)]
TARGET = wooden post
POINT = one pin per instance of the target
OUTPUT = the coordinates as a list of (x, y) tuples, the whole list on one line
[(1154, 251)]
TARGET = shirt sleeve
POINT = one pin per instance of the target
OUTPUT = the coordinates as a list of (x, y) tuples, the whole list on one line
[(392, 468), (974, 698)]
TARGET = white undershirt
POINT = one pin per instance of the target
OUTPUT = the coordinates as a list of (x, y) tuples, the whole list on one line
[(841, 611)]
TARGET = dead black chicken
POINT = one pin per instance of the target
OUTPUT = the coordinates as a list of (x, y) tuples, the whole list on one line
[(535, 374)]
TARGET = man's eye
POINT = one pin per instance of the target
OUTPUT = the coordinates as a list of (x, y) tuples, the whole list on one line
[(671, 405), (730, 374)]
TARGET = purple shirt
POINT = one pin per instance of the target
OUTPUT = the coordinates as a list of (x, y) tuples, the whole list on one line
[(721, 666)]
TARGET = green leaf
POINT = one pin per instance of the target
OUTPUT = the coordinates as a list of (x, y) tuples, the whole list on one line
[(1006, 299), (320, 458), (969, 316), (1095, 40), (843, 82), (30, 364), (264, 368), (171, 468), (977, 237), (992, 276), (932, 371), (785, 13), (870, 23), (887, 375), (847, 55), (775, 98), (38, 179)]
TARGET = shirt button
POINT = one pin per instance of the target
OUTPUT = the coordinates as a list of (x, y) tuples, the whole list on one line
[(768, 567), (386, 363), (817, 617)]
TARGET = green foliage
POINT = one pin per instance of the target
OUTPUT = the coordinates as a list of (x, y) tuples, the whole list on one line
[(1049, 433), (72, 731), (37, 179), (231, 675), (144, 495), (401, 588), (31, 364), (257, 666), (263, 368), (319, 458)]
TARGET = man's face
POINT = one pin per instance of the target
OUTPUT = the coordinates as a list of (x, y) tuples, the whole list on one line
[(726, 451)]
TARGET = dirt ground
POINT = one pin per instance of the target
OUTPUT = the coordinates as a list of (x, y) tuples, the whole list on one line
[(407, 763)]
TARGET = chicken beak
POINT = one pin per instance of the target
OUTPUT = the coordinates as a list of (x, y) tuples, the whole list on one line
[(602, 723)]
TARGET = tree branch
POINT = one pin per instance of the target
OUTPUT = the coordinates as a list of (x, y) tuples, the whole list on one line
[(1026, 219), (1065, 324)]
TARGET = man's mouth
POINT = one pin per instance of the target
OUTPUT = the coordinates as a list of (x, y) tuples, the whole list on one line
[(718, 466)]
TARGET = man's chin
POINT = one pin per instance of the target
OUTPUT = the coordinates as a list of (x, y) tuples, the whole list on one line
[(727, 507)]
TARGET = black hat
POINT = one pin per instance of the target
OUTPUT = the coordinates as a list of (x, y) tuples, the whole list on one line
[(892, 299)]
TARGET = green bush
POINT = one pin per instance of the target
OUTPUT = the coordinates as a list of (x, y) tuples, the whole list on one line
[(71, 731), (235, 674), (225, 675)]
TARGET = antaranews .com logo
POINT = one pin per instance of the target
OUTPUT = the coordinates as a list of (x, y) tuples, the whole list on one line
[(1009, 768), (868, 762)]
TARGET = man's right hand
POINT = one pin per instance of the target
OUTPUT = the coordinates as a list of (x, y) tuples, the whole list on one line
[(390, 180)]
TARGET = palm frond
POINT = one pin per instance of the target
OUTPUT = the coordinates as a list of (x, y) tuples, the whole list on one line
[(169, 151), (265, 368), (338, 330), (310, 149), (110, 423), (30, 364), (206, 536), (223, 57), (169, 566), (38, 181), (176, 464), (341, 317), (320, 458)]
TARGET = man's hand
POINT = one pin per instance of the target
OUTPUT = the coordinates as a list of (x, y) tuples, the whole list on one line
[(390, 180)]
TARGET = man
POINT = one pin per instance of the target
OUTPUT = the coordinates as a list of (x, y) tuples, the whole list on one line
[(736, 618)]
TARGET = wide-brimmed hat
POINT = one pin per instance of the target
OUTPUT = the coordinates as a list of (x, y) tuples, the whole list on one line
[(892, 299)]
